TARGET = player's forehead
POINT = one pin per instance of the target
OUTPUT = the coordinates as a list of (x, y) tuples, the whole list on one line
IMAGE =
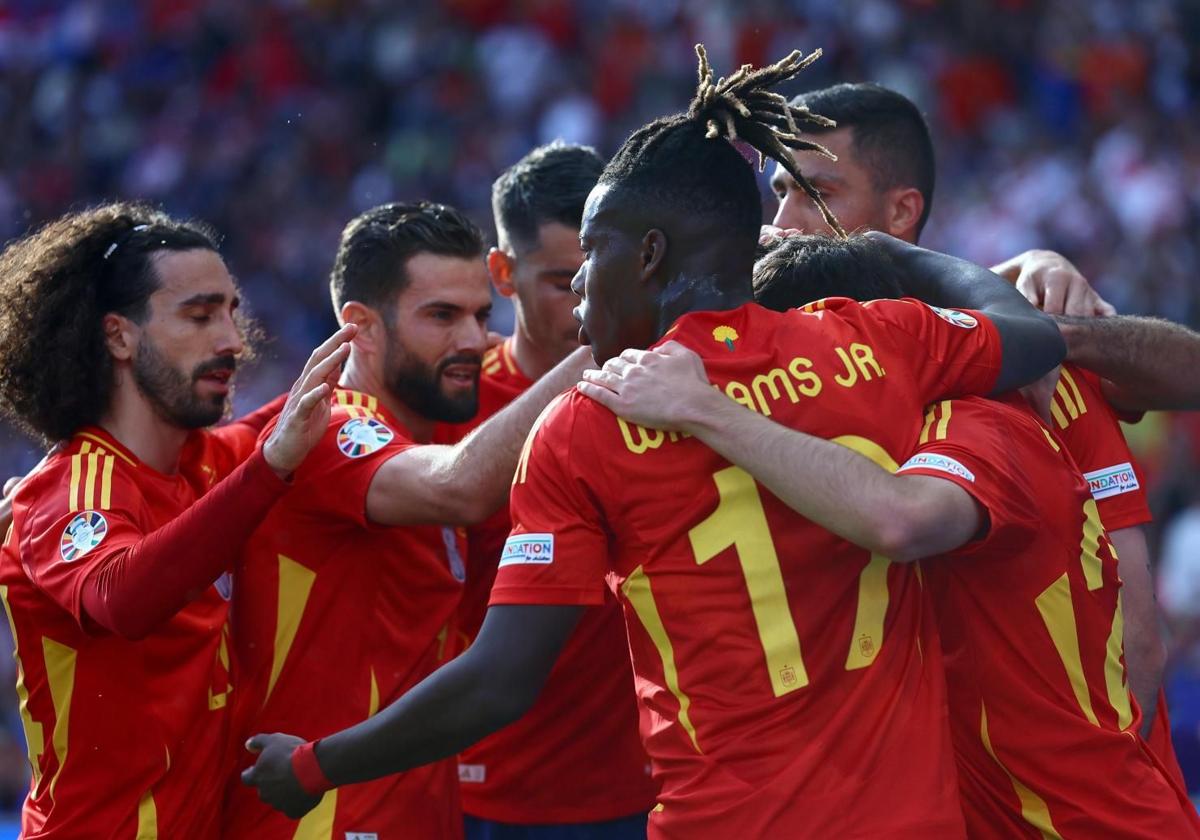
[(462, 281), (816, 166), (196, 273), (598, 211), (556, 242)]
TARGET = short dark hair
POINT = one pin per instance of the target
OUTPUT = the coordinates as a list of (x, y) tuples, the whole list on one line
[(373, 253), (891, 137), (550, 184), (801, 269), (56, 285), (684, 161)]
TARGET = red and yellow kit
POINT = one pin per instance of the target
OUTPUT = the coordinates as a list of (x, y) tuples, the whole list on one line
[(1091, 430), (790, 682), (334, 618), (1031, 630), (127, 738), (576, 755)]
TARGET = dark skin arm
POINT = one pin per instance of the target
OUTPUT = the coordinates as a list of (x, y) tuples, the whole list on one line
[(488, 687), (1030, 340)]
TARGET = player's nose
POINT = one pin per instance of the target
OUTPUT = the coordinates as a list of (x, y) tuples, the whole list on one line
[(792, 215)]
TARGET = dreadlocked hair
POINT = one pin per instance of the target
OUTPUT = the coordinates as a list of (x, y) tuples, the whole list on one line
[(672, 161), (742, 108)]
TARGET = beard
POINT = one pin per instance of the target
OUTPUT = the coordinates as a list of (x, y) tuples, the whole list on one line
[(418, 385), (173, 393)]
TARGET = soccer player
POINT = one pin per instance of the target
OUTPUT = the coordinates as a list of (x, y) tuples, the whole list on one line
[(883, 179), (349, 586), (575, 763), (789, 683), (1023, 578), (121, 338)]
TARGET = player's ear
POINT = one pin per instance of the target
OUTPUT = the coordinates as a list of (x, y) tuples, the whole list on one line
[(120, 336), (500, 266), (654, 252), (371, 333), (904, 208)]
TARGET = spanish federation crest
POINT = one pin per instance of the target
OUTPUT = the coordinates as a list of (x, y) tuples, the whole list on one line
[(359, 437), (83, 533)]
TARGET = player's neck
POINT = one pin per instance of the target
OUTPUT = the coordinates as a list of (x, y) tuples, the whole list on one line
[(701, 292), (359, 377), (531, 360), (135, 424)]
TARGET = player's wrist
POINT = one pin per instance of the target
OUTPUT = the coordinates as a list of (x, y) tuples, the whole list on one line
[(702, 411), (308, 770)]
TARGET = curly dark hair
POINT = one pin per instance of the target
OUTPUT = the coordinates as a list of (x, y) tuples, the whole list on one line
[(56, 285)]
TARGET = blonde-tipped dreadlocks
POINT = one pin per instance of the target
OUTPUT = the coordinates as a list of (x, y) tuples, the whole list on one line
[(741, 107)]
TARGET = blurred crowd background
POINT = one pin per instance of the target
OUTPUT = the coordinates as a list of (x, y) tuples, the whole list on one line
[(1070, 125)]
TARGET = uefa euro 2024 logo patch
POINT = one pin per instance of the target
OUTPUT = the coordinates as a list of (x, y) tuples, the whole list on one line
[(958, 319), (359, 437), (83, 533)]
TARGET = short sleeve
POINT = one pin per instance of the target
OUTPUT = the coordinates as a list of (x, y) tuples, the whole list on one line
[(68, 535), (973, 451), (1089, 428), (953, 352), (557, 552), (333, 481)]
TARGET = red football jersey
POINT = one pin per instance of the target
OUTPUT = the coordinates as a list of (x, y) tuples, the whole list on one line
[(1031, 630), (336, 617), (500, 382), (576, 755), (790, 682), (1091, 431), (131, 736)]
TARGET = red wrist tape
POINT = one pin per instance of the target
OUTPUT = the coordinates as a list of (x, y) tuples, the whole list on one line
[(308, 772)]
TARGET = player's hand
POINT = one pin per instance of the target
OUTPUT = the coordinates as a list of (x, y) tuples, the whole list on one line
[(660, 389), (272, 775), (305, 415), (769, 234), (1050, 282), (494, 339)]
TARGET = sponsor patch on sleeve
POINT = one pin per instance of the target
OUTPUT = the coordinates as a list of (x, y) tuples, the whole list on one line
[(522, 549), (1112, 481), (958, 319), (358, 437), (83, 533), (941, 463)]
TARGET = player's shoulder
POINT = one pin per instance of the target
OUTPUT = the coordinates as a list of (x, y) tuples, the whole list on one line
[(359, 425), (499, 369), (88, 472)]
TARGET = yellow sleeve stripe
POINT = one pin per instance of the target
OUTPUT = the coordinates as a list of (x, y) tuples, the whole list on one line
[(101, 448), (1070, 380), (943, 425), (940, 412), (106, 483), (930, 416), (87, 466), (73, 489)]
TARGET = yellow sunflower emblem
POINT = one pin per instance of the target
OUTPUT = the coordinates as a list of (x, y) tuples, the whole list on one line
[(726, 334)]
